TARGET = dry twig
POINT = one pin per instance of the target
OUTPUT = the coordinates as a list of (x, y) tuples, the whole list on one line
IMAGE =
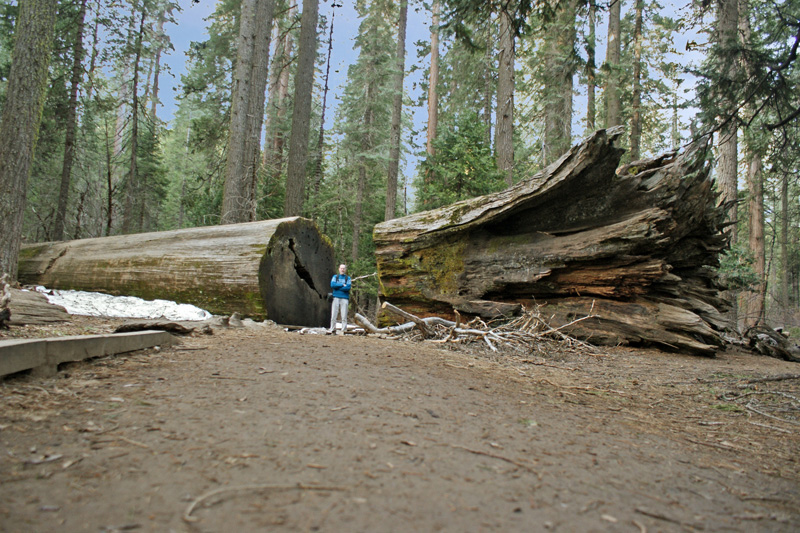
[(523, 334), (187, 514)]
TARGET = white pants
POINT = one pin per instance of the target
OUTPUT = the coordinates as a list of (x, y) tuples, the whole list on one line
[(339, 307)]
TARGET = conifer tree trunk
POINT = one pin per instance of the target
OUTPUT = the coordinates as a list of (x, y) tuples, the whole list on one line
[(265, 12), (675, 134), (326, 88), (132, 188), (361, 187), (559, 43), (157, 69), (613, 49), (433, 81), (234, 199), (301, 117), (591, 82), (123, 96), (755, 309), (278, 93), (504, 133), (784, 243), (727, 144), (70, 125), (93, 55), (488, 85), (727, 33), (109, 175), (247, 111), (19, 125), (636, 118), (397, 115), (755, 185)]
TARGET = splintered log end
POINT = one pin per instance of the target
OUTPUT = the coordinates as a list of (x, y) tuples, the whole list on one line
[(644, 239), (294, 275)]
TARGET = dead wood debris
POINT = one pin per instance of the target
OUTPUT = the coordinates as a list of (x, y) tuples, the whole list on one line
[(758, 395), (526, 334)]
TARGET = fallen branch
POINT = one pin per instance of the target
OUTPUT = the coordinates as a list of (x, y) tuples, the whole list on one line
[(780, 377), (495, 456), (408, 316)]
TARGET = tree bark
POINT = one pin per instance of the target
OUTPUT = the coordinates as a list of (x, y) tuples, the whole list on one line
[(433, 81), (637, 241), (278, 93), (19, 125), (785, 271), (504, 133), (727, 167), (488, 84), (276, 269), (636, 118), (325, 89), (133, 189), (70, 125), (247, 111), (591, 82), (361, 187), (109, 175), (397, 115), (727, 144), (301, 117), (160, 39), (613, 52), (755, 185)]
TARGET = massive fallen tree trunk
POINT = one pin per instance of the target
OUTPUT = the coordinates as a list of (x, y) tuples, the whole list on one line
[(276, 269), (635, 247)]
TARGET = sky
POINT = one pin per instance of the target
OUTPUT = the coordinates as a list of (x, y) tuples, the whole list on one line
[(191, 26)]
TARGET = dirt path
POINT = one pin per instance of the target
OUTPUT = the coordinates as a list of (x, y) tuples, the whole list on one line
[(258, 429)]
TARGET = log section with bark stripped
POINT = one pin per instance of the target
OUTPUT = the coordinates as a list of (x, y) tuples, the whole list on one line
[(276, 269), (635, 247)]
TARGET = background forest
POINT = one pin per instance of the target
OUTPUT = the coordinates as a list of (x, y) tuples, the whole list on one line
[(504, 88)]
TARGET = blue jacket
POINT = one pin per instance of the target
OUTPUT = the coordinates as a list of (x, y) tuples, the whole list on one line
[(341, 286)]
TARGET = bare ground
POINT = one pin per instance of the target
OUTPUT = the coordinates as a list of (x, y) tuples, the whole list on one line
[(257, 429)]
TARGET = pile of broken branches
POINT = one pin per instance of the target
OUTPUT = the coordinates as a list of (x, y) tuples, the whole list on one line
[(523, 334)]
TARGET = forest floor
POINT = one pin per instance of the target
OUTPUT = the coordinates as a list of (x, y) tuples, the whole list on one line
[(255, 429)]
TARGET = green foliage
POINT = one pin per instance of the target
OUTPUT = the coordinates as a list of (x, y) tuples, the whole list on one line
[(463, 166), (736, 269), (757, 76)]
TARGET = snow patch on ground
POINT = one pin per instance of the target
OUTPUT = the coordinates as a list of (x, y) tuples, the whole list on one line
[(98, 304)]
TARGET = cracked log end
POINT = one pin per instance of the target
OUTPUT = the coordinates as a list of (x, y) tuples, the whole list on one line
[(294, 275)]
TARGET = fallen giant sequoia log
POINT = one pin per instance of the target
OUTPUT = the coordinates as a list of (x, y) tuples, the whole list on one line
[(278, 269), (636, 248)]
